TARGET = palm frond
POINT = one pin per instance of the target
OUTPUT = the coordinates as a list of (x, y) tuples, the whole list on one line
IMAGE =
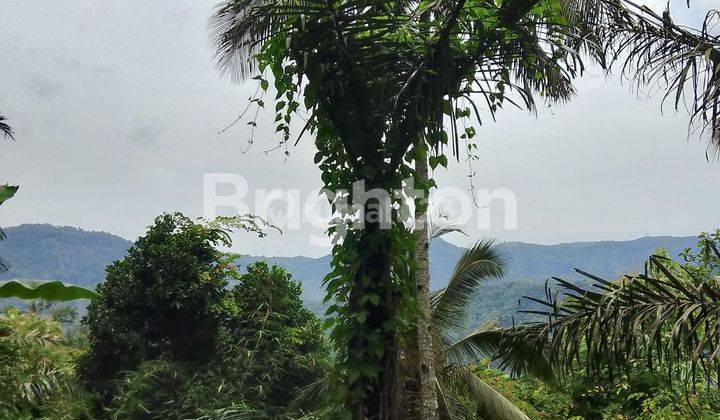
[(46, 381), (493, 405), (477, 264), (448, 405), (238, 411), (666, 316), (442, 222), (653, 51), (5, 128), (510, 350), (238, 29)]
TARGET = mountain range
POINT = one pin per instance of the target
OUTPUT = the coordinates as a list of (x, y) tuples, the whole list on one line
[(43, 251)]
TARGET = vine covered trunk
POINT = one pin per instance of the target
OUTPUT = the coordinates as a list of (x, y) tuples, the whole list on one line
[(374, 338)]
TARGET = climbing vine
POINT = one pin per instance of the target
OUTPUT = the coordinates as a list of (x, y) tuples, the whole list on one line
[(365, 342)]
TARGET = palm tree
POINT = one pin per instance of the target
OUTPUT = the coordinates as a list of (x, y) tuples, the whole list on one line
[(380, 77), (380, 72), (455, 348), (449, 311), (668, 316)]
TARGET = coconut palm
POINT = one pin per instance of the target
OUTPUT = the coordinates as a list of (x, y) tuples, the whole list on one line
[(449, 312), (455, 348), (385, 76), (425, 363)]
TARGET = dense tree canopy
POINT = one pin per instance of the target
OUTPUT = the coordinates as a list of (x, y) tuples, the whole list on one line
[(167, 335), (283, 340), (164, 300)]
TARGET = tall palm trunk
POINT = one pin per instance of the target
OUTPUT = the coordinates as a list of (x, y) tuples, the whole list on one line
[(426, 357)]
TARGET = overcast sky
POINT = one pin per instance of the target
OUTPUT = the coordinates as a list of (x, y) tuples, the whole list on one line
[(117, 108)]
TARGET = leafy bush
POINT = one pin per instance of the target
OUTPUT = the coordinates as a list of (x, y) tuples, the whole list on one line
[(164, 300), (530, 394), (153, 390), (641, 395)]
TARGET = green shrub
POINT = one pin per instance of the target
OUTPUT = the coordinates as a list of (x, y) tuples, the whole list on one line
[(153, 390), (530, 394), (641, 395)]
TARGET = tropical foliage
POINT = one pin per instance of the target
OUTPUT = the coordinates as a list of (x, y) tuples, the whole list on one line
[(267, 349), (164, 300), (386, 86), (283, 341), (368, 103), (653, 332), (640, 395), (169, 337), (666, 316), (380, 80), (37, 369), (448, 314)]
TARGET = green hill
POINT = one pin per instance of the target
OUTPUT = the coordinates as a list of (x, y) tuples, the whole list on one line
[(79, 256), (60, 253)]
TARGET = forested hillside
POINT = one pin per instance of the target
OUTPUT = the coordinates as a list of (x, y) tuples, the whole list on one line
[(42, 251), (80, 256)]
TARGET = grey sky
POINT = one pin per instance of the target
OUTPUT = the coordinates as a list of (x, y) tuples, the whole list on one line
[(117, 105)]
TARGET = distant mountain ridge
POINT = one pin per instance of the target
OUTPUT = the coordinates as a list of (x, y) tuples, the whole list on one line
[(74, 255), (43, 251)]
